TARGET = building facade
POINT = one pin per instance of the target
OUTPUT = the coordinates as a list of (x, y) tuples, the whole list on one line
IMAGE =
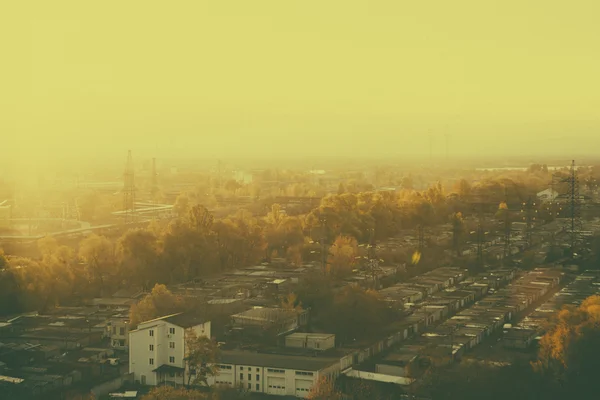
[(118, 332), (273, 374), (157, 349)]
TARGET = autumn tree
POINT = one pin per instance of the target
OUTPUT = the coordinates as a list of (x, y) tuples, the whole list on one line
[(463, 188), (202, 355), (59, 264), (188, 250), (3, 260), (182, 205), (240, 240), (172, 393), (291, 302), (99, 255), (158, 303), (283, 234), (342, 256), (138, 251), (569, 350), (324, 389), (355, 314), (458, 231)]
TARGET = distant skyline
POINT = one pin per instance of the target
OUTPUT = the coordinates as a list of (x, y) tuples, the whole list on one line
[(293, 79)]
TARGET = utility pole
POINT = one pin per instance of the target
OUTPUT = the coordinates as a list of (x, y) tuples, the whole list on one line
[(324, 245), (574, 204), (480, 240), (129, 190), (373, 262), (507, 227), (457, 230), (219, 174), (529, 218), (154, 188)]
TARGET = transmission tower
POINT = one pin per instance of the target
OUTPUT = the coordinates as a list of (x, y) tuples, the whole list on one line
[(219, 182), (574, 207), (507, 226), (373, 261), (154, 188), (480, 242), (457, 231), (129, 191), (480, 233)]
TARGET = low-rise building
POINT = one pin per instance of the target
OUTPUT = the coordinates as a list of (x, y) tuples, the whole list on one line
[(118, 332), (273, 374), (313, 341), (157, 348)]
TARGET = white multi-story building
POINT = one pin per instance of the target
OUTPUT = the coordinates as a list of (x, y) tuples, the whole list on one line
[(118, 332), (157, 348), (276, 374)]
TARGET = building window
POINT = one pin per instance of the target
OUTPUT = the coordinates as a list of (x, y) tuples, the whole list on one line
[(171, 345), (241, 368), (151, 332), (249, 386), (241, 376), (276, 371), (172, 374), (172, 331), (249, 377), (172, 360), (257, 377), (121, 331), (151, 347), (304, 373), (257, 369), (257, 387), (151, 362)]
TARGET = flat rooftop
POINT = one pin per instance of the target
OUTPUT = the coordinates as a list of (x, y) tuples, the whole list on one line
[(276, 360)]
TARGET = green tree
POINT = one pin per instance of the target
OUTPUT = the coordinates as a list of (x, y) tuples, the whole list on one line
[(202, 355)]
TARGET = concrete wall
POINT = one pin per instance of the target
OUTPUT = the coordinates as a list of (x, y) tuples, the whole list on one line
[(298, 341), (111, 386)]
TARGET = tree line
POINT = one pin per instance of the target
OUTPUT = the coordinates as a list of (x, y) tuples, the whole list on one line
[(197, 245)]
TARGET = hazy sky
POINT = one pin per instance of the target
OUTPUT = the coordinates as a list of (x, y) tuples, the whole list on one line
[(298, 77)]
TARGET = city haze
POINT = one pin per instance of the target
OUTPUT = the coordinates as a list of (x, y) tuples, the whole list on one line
[(295, 79)]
